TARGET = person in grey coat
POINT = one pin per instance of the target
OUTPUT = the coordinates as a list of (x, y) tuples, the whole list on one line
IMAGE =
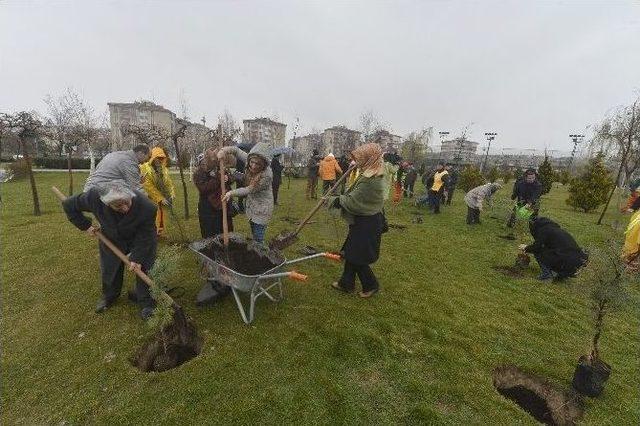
[(128, 219), (258, 179), (475, 198), (122, 165)]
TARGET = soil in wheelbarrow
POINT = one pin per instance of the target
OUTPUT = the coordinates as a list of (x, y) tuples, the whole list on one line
[(243, 256), (170, 347)]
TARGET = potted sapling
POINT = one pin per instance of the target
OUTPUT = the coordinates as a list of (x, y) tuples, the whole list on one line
[(605, 279)]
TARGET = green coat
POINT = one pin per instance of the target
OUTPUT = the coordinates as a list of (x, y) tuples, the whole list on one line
[(364, 198)]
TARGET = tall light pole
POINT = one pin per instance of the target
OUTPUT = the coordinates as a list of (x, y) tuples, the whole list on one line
[(443, 135), (490, 137), (576, 140)]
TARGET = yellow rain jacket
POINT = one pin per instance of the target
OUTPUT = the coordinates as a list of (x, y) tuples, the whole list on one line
[(632, 238), (158, 185)]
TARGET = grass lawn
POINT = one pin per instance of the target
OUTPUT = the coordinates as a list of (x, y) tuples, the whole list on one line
[(420, 352)]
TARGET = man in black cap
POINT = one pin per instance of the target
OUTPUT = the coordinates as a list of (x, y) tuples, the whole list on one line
[(526, 191)]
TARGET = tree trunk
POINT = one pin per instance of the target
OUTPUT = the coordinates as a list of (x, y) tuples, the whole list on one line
[(32, 180), (92, 160), (615, 185), (184, 183), (595, 351), (70, 174)]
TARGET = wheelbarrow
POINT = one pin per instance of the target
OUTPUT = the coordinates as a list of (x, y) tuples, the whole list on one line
[(267, 284)]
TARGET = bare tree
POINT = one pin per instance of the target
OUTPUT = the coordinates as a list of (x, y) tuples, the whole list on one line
[(228, 123), (369, 124), (85, 127), (621, 130), (61, 115), (179, 133), (27, 127), (416, 145)]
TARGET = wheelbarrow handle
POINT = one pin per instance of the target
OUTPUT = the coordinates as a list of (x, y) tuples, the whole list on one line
[(291, 274), (123, 257)]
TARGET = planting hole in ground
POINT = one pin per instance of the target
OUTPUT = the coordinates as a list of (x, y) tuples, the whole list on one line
[(537, 397), (171, 347)]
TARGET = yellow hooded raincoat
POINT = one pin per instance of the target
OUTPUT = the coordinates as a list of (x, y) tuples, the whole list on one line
[(158, 185)]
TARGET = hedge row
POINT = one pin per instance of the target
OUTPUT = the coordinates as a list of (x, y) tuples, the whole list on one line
[(61, 163)]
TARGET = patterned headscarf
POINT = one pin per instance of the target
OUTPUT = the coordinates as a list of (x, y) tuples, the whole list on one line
[(369, 159)]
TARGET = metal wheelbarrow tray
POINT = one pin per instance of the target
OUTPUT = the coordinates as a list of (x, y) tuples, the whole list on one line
[(268, 283)]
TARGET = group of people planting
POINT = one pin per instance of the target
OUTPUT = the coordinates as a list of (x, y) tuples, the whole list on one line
[(131, 192)]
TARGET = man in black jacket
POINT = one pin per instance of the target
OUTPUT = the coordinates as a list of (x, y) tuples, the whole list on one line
[(127, 219), (526, 191), (555, 250)]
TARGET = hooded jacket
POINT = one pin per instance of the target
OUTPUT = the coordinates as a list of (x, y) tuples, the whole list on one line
[(555, 247), (329, 168), (259, 206), (157, 184), (525, 192), (477, 195)]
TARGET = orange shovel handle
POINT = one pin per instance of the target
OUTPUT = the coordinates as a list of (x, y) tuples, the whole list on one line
[(333, 256), (297, 276)]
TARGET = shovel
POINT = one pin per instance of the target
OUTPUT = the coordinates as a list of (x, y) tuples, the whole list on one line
[(285, 238), (181, 324)]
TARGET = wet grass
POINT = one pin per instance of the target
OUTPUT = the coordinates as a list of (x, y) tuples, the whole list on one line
[(422, 351)]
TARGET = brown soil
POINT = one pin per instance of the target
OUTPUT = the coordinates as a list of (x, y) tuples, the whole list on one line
[(510, 271), (170, 347), (537, 396), (244, 256), (397, 226)]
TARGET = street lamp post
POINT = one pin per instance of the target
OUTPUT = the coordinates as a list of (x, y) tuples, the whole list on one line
[(490, 137), (576, 140), (443, 135)]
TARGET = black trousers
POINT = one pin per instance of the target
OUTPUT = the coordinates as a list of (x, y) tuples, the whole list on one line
[(275, 186), (112, 271), (367, 278), (450, 194), (408, 189), (473, 216), (326, 185), (211, 219), (434, 200)]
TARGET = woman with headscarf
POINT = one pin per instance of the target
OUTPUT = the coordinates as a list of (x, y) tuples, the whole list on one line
[(207, 180), (361, 207), (157, 183)]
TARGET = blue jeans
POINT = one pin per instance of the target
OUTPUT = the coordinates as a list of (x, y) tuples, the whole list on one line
[(257, 231)]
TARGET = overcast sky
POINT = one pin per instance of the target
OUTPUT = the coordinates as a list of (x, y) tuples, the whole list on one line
[(532, 71)]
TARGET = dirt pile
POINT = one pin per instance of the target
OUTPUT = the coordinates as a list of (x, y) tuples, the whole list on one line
[(170, 347)]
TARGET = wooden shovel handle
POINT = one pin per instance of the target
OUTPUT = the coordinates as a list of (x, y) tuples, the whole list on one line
[(323, 200), (144, 277), (223, 191)]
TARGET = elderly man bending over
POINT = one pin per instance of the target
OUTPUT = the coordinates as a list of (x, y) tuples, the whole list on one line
[(127, 218)]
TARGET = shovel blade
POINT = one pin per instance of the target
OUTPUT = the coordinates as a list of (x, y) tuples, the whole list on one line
[(283, 240)]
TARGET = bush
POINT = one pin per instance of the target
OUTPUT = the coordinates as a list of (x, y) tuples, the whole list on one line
[(19, 169), (470, 177), (590, 189), (546, 175), (493, 174), (61, 163), (564, 177), (507, 176)]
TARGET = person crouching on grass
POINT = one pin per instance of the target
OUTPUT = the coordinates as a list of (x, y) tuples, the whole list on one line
[(258, 190), (361, 207), (127, 218), (557, 253)]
